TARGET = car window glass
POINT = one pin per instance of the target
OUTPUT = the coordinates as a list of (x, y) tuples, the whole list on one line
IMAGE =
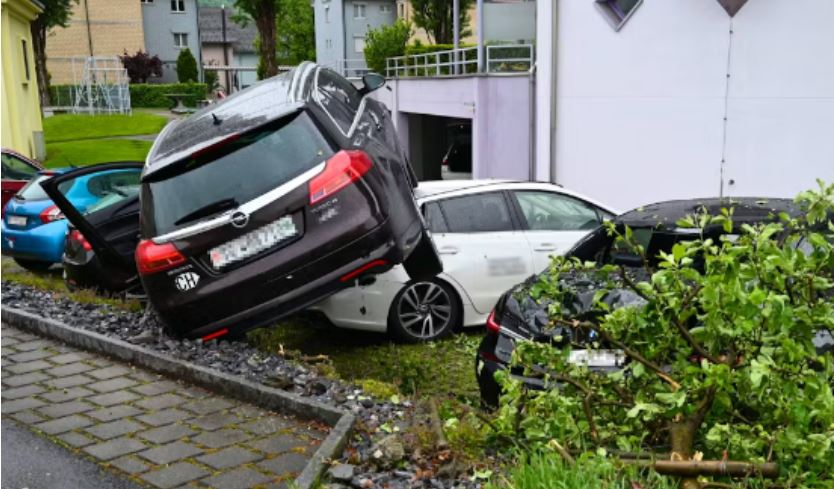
[(477, 213), (16, 169), (434, 218), (339, 98), (549, 211), (34, 191), (623, 253), (95, 191)]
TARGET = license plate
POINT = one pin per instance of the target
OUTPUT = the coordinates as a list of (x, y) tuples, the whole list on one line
[(598, 358), (17, 220), (252, 243)]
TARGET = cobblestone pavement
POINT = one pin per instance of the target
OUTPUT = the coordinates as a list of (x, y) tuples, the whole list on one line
[(156, 430)]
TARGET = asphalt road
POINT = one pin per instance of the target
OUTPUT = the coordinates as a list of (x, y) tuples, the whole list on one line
[(32, 462)]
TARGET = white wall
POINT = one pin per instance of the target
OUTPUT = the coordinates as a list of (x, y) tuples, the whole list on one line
[(640, 112)]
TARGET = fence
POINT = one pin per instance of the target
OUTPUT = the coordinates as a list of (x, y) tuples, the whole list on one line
[(500, 58)]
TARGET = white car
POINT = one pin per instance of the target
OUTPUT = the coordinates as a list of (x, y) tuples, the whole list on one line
[(491, 235)]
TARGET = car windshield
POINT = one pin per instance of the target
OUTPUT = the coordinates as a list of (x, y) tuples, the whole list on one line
[(34, 191), (239, 171)]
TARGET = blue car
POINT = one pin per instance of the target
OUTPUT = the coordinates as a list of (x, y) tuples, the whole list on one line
[(34, 230)]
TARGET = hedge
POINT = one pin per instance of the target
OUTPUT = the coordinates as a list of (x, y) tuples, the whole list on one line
[(142, 94)]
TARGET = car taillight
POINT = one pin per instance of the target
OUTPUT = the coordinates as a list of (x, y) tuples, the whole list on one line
[(492, 324), (344, 168), (153, 258), (51, 213), (75, 235)]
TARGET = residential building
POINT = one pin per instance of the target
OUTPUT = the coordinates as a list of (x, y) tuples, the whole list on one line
[(22, 129), (341, 26), (96, 28), (234, 50), (171, 26), (405, 11)]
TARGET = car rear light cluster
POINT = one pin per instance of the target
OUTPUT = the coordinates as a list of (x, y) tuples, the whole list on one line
[(492, 324), (152, 258), (75, 235), (344, 168), (50, 214)]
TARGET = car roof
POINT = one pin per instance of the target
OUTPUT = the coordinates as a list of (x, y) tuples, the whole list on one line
[(746, 210), (56, 171), (32, 161), (430, 188), (247, 109)]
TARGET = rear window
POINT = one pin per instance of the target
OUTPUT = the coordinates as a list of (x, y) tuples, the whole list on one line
[(34, 191), (241, 170)]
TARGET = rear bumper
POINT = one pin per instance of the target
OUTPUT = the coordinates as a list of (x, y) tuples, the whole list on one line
[(43, 243)]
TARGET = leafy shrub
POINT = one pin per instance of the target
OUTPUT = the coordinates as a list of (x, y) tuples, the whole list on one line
[(187, 67), (385, 42), (141, 66), (211, 80), (748, 305)]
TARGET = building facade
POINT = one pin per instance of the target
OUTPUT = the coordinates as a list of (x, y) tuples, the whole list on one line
[(234, 49), (96, 28), (22, 129), (170, 26), (341, 26)]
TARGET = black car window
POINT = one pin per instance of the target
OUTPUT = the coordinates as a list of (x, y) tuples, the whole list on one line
[(339, 98), (477, 213), (248, 167), (16, 169), (550, 211), (434, 218)]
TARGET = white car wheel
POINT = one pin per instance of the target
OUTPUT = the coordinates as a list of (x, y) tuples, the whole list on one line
[(423, 311)]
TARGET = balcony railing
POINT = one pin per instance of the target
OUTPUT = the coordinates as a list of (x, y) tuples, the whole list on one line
[(500, 58), (349, 68)]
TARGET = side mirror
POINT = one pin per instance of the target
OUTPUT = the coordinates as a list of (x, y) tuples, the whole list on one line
[(371, 82)]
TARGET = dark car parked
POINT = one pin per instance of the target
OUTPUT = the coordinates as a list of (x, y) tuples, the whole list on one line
[(518, 317), (263, 204)]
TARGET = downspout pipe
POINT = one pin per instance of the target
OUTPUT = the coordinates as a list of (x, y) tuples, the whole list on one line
[(554, 78), (456, 33), (479, 12)]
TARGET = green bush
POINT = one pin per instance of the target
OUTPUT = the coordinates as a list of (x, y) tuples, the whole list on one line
[(385, 42), (144, 95), (187, 67)]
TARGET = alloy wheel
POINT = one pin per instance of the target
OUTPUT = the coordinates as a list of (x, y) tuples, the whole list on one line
[(424, 310)]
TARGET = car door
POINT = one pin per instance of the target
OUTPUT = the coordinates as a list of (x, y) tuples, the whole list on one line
[(480, 244), (14, 175), (553, 222), (111, 222)]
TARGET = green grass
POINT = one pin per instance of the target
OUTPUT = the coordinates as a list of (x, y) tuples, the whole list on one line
[(72, 127), (90, 151)]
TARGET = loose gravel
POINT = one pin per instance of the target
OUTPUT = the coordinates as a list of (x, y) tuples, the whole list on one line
[(369, 447)]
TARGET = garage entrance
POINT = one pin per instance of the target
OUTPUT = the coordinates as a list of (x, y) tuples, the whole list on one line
[(440, 148)]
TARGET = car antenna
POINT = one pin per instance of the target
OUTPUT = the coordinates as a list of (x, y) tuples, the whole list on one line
[(217, 120)]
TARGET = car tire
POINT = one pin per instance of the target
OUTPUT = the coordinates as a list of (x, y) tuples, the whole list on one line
[(424, 311), (424, 262), (34, 265)]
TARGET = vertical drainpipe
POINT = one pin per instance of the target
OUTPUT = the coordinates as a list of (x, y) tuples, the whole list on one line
[(89, 31), (225, 48), (456, 32), (553, 81), (479, 13)]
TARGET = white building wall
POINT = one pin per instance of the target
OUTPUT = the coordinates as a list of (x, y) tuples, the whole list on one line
[(640, 112)]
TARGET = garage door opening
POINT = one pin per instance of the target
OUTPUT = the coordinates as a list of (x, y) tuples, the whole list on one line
[(440, 148)]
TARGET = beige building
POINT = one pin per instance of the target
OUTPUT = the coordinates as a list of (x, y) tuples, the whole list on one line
[(97, 28), (406, 12)]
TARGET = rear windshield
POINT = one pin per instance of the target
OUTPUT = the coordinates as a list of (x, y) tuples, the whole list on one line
[(34, 191), (239, 171)]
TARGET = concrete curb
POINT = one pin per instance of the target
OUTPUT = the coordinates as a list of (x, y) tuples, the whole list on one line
[(341, 422)]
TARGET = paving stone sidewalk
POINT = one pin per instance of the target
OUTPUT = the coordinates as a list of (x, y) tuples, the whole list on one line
[(156, 430)]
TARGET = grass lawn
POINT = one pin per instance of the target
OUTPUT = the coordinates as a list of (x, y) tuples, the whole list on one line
[(72, 127), (89, 151)]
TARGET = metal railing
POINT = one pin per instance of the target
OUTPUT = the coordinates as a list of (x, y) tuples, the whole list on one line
[(349, 68), (500, 58)]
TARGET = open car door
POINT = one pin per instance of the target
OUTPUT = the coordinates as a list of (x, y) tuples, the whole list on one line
[(102, 203)]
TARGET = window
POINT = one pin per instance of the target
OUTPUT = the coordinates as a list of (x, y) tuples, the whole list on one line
[(401, 11), (180, 40), (146, 1), (328, 43), (617, 12), (385, 9), (477, 213), (327, 14), (16, 169), (358, 10), (434, 218), (177, 5), (359, 44), (25, 58), (339, 98), (548, 211)]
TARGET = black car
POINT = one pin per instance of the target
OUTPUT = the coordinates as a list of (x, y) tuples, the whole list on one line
[(519, 317), (265, 203)]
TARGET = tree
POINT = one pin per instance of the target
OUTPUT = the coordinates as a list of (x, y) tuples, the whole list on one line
[(385, 42), (436, 18), (719, 342), (187, 67), (263, 13), (141, 66), (296, 32), (56, 13)]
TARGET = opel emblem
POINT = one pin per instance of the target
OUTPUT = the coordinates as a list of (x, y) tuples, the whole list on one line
[(240, 219)]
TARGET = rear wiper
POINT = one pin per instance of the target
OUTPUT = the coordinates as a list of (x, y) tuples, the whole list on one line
[(207, 210)]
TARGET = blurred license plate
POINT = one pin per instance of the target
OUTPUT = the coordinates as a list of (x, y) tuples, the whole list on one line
[(598, 358), (252, 243), (17, 220)]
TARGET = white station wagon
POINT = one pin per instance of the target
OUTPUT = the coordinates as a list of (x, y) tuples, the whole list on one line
[(491, 235)]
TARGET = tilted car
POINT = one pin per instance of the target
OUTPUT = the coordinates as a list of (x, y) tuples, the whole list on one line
[(490, 234), (267, 202), (519, 317), (16, 172)]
